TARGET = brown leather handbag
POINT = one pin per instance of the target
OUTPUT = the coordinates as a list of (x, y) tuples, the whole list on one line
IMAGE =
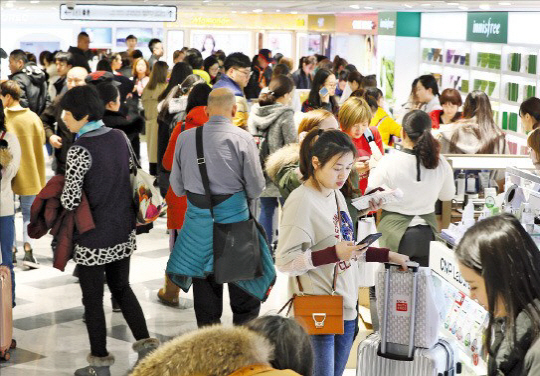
[(318, 314)]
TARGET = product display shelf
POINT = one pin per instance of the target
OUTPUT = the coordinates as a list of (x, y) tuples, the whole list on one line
[(530, 76), (516, 134), (488, 70), (514, 68), (510, 103)]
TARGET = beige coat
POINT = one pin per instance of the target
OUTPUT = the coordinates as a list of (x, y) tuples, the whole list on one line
[(28, 128), (214, 350), (467, 141), (149, 100)]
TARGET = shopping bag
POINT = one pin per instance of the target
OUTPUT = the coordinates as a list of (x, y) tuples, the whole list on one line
[(367, 270)]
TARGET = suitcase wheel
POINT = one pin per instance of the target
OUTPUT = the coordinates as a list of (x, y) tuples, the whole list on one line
[(5, 356), (13, 344)]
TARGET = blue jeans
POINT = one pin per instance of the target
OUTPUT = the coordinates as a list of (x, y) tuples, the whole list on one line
[(331, 352), (266, 218), (26, 204), (7, 234)]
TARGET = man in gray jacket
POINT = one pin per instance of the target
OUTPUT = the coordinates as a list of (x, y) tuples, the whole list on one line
[(232, 161)]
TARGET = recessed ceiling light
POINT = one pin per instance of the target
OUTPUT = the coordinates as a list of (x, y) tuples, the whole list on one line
[(426, 5), (34, 2), (234, 11), (484, 6), (504, 3), (355, 6), (407, 6), (243, 12), (257, 10), (206, 1), (278, 10), (294, 12), (463, 8), (452, 4), (368, 7)]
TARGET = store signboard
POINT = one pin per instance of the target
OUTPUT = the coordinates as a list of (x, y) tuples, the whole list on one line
[(321, 22), (387, 23), (487, 27), (140, 13), (442, 261), (240, 21), (366, 24)]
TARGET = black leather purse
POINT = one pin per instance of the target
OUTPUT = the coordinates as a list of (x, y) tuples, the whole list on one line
[(237, 250)]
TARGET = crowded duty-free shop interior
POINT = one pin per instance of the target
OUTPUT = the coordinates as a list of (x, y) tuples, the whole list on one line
[(232, 188)]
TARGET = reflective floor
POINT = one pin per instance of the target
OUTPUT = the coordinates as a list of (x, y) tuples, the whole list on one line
[(52, 338)]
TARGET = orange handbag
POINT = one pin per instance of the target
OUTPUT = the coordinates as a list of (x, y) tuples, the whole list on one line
[(318, 314)]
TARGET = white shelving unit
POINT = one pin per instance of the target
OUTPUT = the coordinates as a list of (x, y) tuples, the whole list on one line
[(450, 68)]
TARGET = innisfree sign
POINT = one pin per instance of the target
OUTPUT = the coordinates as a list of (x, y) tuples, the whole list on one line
[(487, 27)]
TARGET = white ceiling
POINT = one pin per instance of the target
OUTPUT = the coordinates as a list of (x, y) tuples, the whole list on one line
[(301, 6)]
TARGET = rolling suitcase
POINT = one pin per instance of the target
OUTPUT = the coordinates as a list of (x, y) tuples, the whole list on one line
[(6, 318), (438, 361), (377, 357)]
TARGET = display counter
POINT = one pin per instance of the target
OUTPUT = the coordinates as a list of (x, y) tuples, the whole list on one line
[(464, 319)]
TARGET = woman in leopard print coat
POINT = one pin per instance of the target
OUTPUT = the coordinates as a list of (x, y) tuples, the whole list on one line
[(98, 163)]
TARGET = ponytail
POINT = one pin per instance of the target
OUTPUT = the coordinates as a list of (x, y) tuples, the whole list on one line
[(417, 126), (279, 86)]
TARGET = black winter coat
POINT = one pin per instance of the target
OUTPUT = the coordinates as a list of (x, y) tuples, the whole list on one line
[(53, 124), (33, 83), (131, 127), (80, 58)]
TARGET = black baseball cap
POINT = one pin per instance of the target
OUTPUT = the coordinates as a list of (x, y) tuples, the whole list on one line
[(98, 77), (266, 54)]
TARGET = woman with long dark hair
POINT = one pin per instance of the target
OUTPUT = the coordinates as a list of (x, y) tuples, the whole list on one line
[(529, 112), (171, 111), (322, 94), (211, 66), (156, 85), (304, 75), (316, 237), (501, 263), (477, 132), (424, 176), (177, 206), (385, 124)]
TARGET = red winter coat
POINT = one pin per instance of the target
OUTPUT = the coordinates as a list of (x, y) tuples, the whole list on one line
[(47, 213), (177, 206)]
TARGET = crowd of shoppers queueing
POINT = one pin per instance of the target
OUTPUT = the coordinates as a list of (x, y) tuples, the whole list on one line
[(310, 167)]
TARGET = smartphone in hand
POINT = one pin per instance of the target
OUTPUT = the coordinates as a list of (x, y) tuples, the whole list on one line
[(323, 92), (370, 239)]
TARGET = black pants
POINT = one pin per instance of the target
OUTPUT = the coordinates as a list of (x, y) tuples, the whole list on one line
[(91, 279), (208, 302)]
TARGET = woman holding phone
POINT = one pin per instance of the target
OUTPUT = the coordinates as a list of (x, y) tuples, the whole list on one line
[(322, 93), (316, 238)]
